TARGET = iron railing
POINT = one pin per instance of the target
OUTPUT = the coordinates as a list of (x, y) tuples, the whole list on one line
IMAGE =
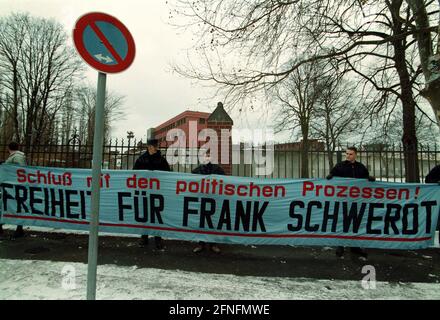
[(386, 164)]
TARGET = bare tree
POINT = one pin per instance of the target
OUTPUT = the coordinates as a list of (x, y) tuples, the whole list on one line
[(39, 71), (338, 114), (244, 47), (297, 98), (387, 130), (67, 120), (11, 44), (85, 100)]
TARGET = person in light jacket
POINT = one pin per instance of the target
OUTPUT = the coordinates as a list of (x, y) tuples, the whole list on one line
[(16, 157)]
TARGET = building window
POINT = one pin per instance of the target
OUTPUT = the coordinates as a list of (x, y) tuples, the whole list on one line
[(202, 121)]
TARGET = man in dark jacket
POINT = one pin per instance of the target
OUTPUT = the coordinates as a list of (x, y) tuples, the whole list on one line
[(152, 159), (350, 168), (434, 177), (208, 168), (1, 225)]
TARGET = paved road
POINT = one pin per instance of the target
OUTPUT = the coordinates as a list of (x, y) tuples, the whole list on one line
[(271, 261)]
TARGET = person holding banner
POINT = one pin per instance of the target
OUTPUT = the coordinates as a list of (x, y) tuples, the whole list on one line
[(152, 159), (434, 177), (350, 168), (206, 169), (1, 206), (16, 157)]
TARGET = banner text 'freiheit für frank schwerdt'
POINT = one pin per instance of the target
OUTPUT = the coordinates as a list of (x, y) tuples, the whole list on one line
[(226, 209)]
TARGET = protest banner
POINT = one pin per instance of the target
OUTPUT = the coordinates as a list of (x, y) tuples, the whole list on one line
[(226, 209)]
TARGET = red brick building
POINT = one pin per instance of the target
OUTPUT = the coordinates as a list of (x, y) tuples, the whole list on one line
[(181, 121), (191, 123)]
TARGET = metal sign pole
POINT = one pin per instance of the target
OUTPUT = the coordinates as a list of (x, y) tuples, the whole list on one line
[(96, 41), (96, 179)]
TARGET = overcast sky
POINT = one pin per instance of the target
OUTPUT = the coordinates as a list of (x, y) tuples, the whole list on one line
[(153, 93)]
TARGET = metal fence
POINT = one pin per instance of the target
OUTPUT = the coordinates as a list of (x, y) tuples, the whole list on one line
[(385, 165)]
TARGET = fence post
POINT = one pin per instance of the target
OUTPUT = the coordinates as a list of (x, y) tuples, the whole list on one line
[(338, 156)]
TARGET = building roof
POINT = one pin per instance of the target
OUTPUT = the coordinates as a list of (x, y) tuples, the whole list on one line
[(184, 114), (220, 115)]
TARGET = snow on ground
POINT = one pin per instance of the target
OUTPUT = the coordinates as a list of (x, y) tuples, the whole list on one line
[(31, 279)]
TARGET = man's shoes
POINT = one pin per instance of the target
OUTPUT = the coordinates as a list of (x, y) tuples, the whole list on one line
[(215, 249), (339, 251), (159, 244), (358, 251), (198, 249), (144, 240), (18, 233)]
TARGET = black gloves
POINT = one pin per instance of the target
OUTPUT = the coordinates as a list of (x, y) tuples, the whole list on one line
[(330, 176)]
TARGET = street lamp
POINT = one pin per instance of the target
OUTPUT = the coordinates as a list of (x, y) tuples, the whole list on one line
[(130, 135), (74, 138), (74, 142)]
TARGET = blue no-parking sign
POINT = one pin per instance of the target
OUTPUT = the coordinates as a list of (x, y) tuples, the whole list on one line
[(104, 42)]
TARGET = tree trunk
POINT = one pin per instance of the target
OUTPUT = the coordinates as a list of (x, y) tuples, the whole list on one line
[(330, 155), (329, 139), (15, 102), (409, 138), (305, 158), (431, 92), (409, 141)]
